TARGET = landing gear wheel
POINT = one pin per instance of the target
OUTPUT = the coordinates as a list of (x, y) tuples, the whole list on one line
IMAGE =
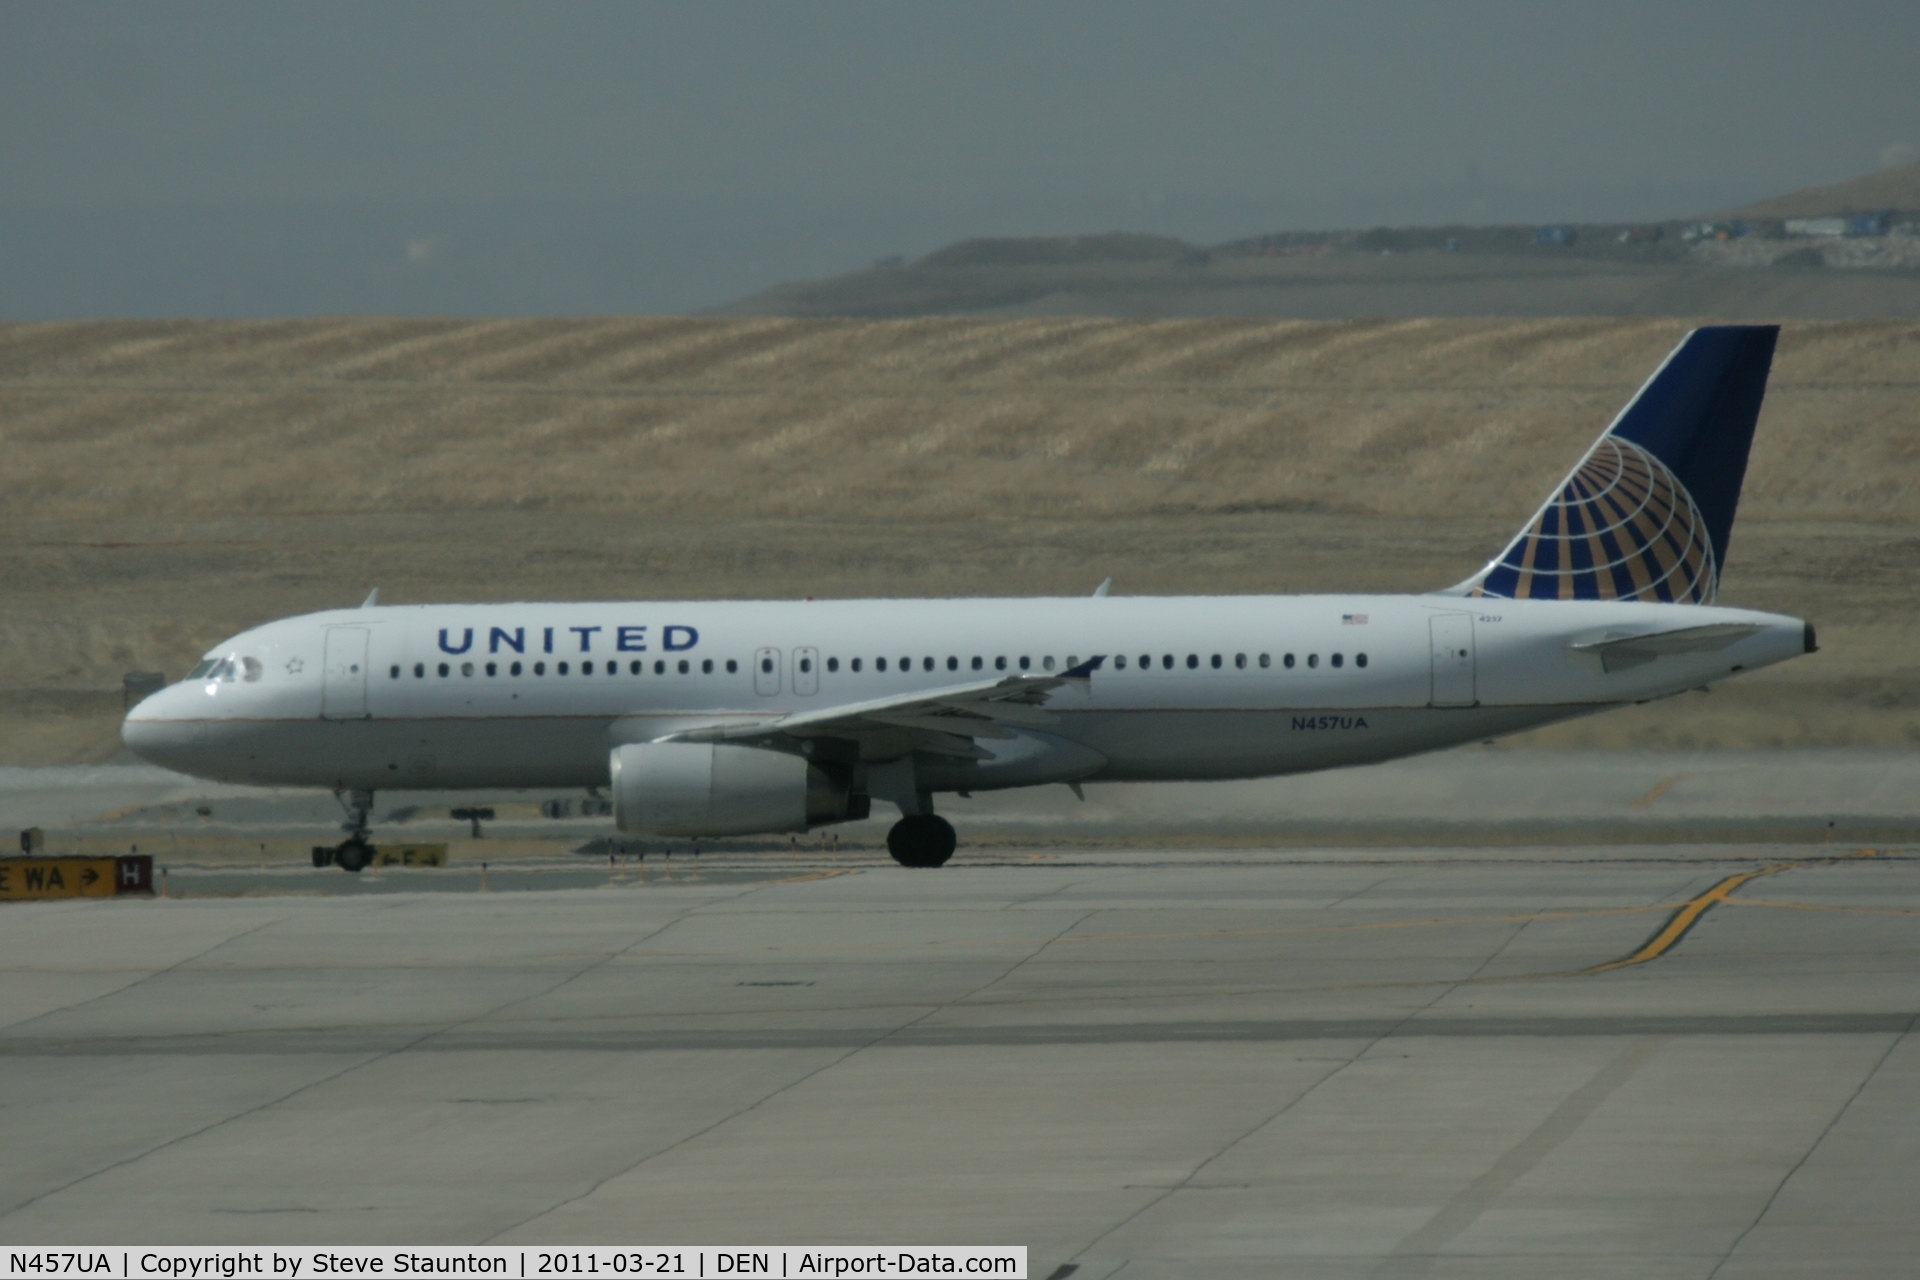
[(921, 840), (353, 855)]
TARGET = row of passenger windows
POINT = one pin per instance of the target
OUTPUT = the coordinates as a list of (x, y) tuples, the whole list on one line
[(684, 666), (610, 667)]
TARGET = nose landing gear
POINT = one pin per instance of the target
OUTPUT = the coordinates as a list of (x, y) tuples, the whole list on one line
[(355, 853), (921, 840)]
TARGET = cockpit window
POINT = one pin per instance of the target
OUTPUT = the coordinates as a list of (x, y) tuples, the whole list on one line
[(250, 669), (204, 669)]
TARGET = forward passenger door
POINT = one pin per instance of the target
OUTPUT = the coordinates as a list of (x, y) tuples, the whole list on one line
[(343, 677)]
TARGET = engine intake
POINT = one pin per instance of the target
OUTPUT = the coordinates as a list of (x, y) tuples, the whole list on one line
[(710, 789)]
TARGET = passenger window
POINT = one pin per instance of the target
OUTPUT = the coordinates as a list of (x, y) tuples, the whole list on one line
[(806, 665), (586, 668), (1073, 660), (1000, 663), (466, 668), (443, 669), (1288, 662), (1193, 660), (856, 664), (1266, 660), (395, 673), (635, 667), (659, 666), (1025, 662), (560, 668), (1359, 659), (766, 666), (733, 668), (685, 667), (514, 670), (1313, 660), (978, 663), (419, 670), (1166, 661), (706, 666), (833, 664), (1339, 660), (1216, 662), (1240, 661), (953, 664), (493, 668), (1120, 662), (1047, 662), (879, 664), (539, 668)]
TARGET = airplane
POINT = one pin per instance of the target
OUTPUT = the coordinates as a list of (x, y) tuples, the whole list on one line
[(728, 718)]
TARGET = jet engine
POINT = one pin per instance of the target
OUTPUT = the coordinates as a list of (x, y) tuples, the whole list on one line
[(711, 789)]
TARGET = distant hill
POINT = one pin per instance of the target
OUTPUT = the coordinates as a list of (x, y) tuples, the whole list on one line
[(1347, 276), (1895, 188), (1622, 269)]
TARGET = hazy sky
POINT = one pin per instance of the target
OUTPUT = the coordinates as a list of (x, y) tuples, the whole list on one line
[(438, 153)]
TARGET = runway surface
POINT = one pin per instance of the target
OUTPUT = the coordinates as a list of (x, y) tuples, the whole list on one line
[(1244, 1062)]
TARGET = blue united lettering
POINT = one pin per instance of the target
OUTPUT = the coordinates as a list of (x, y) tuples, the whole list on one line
[(627, 638)]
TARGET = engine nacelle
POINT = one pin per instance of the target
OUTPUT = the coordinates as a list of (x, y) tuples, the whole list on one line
[(713, 789)]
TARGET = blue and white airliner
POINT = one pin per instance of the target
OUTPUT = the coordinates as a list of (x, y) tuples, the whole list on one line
[(725, 718)]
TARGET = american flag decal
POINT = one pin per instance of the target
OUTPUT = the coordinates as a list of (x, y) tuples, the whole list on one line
[(1354, 619)]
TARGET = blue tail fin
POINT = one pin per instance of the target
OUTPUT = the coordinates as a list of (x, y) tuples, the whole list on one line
[(1646, 515)]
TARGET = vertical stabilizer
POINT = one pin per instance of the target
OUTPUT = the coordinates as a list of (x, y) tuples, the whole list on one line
[(1648, 513)]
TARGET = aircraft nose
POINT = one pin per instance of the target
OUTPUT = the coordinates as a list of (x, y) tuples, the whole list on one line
[(156, 732)]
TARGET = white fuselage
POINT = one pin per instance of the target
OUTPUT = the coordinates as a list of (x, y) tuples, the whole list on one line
[(537, 695)]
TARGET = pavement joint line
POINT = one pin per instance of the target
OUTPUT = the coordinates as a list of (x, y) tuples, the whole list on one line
[(1419, 1251), (1833, 1122), (1822, 906), (1690, 913), (882, 1034), (1186, 1180), (1010, 940)]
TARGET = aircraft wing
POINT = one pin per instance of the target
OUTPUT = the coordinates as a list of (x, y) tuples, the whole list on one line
[(1619, 652), (944, 721)]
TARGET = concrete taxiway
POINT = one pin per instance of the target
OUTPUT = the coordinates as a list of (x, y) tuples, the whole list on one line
[(1229, 1062)]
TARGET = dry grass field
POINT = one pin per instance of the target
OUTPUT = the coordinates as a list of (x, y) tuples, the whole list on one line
[(170, 482)]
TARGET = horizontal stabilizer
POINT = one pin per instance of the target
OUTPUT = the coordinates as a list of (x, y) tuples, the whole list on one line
[(1619, 652)]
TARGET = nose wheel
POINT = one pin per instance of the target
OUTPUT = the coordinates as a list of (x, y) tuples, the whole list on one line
[(922, 840), (355, 853)]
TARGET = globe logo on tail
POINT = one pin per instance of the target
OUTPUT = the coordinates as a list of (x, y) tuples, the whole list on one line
[(1621, 528)]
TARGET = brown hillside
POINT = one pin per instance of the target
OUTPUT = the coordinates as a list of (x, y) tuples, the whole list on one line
[(169, 483), (1895, 188)]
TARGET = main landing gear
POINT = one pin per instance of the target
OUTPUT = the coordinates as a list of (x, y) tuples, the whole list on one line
[(921, 840), (355, 853)]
